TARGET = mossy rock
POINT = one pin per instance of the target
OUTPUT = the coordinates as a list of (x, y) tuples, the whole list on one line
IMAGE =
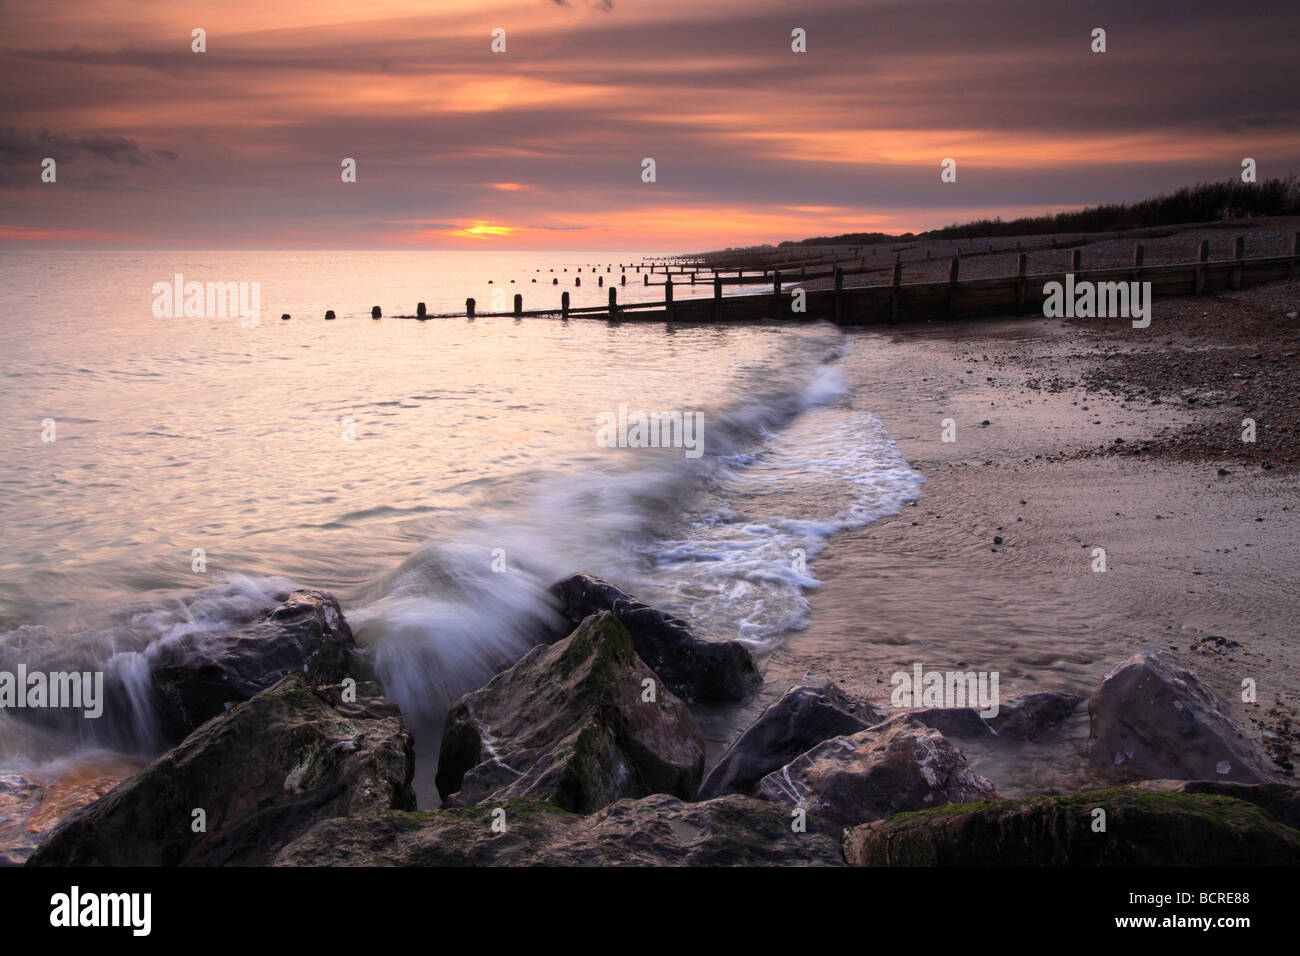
[(1141, 828)]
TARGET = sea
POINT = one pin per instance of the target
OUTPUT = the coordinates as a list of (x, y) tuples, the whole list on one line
[(169, 475)]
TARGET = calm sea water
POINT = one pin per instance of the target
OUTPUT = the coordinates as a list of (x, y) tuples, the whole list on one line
[(394, 462)]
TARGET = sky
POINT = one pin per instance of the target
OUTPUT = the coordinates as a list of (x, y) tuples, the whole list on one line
[(542, 146)]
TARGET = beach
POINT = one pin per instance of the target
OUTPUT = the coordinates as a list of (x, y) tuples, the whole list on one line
[(1073, 436)]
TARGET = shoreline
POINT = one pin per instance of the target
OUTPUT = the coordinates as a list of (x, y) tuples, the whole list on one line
[(1197, 559)]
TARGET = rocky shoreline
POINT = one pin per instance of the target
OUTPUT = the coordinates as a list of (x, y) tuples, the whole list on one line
[(585, 752)]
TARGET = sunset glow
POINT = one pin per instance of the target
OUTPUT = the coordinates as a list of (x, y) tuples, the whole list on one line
[(541, 145)]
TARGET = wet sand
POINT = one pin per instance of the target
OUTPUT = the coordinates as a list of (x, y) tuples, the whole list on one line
[(1080, 451)]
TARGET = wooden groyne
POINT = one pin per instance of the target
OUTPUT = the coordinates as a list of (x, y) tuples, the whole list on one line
[(897, 301)]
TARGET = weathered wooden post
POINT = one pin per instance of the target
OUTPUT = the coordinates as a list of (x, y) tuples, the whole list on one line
[(469, 309), (1021, 269), (375, 313), (668, 298), (564, 306), (1202, 257), (645, 279), (1295, 253), (1076, 256), (717, 298), (600, 281), (519, 305), (838, 308), (776, 294), (329, 315), (895, 283), (419, 310), (1238, 254), (622, 280), (953, 269), (613, 302)]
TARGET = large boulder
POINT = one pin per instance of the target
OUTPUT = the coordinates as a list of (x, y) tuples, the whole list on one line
[(1141, 829), (1279, 800), (657, 830), (197, 676), (262, 774), (896, 766), (579, 723), (694, 669), (1152, 718), (803, 717)]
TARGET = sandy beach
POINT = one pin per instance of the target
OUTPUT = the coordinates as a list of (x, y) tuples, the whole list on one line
[(1073, 436)]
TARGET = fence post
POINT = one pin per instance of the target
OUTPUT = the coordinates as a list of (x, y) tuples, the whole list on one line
[(1021, 270), (1238, 253), (895, 282), (613, 302), (519, 305), (717, 298), (953, 269), (564, 306), (668, 298), (469, 309), (1202, 256)]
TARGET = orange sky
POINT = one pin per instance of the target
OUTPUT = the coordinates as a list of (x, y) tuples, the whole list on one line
[(542, 146)]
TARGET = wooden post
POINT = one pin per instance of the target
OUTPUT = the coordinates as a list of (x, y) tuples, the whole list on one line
[(622, 280), (519, 305), (564, 306), (776, 295), (1202, 256), (1076, 256), (1239, 254), (953, 269), (469, 309), (1295, 252), (613, 302), (717, 298), (1021, 269), (420, 310), (375, 313), (895, 284), (839, 295), (645, 279), (668, 298), (1139, 256)]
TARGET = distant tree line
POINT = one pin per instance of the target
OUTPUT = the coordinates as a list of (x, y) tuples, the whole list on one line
[(1204, 202)]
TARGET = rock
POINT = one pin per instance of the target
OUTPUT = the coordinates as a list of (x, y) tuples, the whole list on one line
[(197, 676), (1142, 829), (1020, 718), (896, 766), (803, 717), (32, 804), (263, 774), (568, 725), (1280, 801), (1152, 718), (694, 669), (657, 830)]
